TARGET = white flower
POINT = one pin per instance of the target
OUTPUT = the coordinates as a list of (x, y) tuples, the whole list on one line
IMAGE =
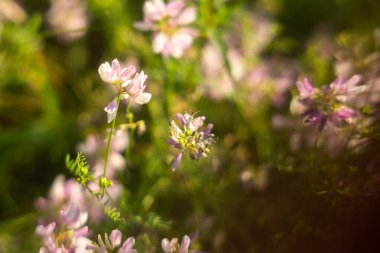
[(128, 83)]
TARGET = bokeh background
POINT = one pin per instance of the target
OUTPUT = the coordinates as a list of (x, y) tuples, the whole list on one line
[(265, 188)]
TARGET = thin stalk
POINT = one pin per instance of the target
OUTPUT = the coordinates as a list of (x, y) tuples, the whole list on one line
[(110, 137)]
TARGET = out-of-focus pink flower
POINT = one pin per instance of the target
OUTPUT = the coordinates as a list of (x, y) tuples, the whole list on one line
[(94, 148), (305, 89), (10, 10), (68, 18), (128, 83), (169, 23), (217, 83), (327, 104), (68, 235), (172, 246), (112, 243), (271, 80), (62, 194)]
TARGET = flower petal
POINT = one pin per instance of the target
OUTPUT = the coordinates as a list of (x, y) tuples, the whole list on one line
[(185, 244), (115, 238), (105, 72), (176, 161), (159, 42), (165, 244), (305, 88), (187, 16), (174, 8), (111, 110), (143, 98)]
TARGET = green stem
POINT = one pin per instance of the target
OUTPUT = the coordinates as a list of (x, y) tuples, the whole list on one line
[(110, 137)]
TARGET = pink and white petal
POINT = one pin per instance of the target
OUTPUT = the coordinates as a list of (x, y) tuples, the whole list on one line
[(116, 163), (74, 193), (165, 245), (82, 232), (187, 16), (144, 26), (124, 96), (154, 9), (134, 88), (126, 83), (143, 78), (174, 8), (56, 193), (305, 88), (337, 85), (43, 250), (143, 98), (127, 73), (105, 71), (127, 246), (115, 237), (115, 67), (120, 142), (44, 231), (345, 113), (185, 244), (159, 42), (353, 81), (111, 110)]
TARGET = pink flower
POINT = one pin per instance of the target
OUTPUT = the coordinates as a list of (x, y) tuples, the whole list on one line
[(62, 194), (68, 236), (327, 104), (68, 18), (190, 138), (128, 83), (135, 89), (112, 243), (171, 35), (305, 89), (114, 74), (172, 246)]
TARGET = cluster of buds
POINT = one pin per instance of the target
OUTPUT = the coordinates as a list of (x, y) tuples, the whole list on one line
[(171, 35), (68, 235), (173, 246), (328, 103), (190, 138), (127, 82)]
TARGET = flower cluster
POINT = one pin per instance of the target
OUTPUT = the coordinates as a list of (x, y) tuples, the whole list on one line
[(173, 246), (68, 18), (112, 243), (171, 36), (68, 235), (328, 103), (128, 83), (191, 138)]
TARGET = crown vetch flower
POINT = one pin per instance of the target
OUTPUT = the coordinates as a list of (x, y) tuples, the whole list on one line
[(328, 103), (190, 138), (173, 246), (112, 243), (127, 82), (68, 235), (169, 23)]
